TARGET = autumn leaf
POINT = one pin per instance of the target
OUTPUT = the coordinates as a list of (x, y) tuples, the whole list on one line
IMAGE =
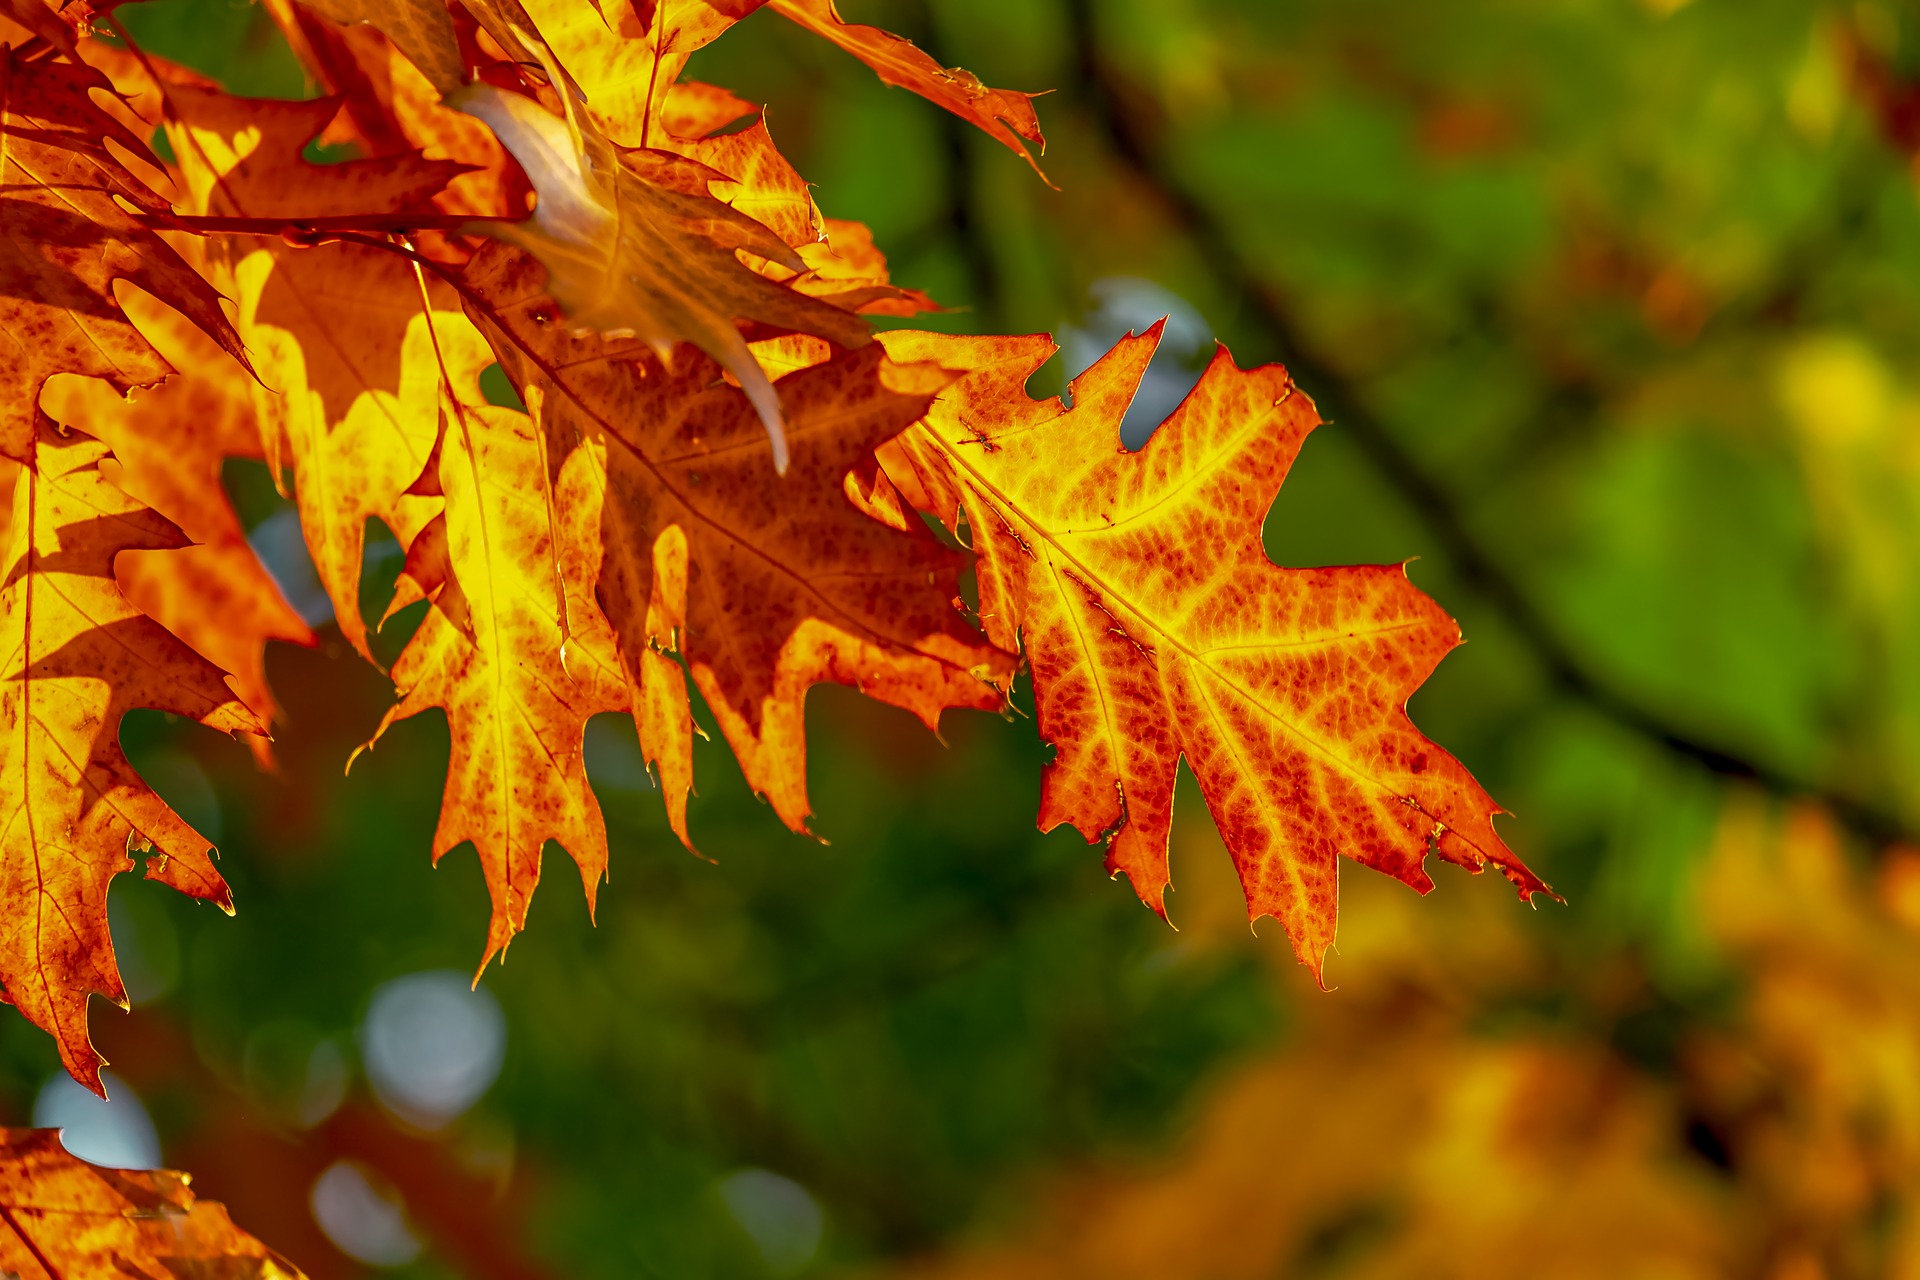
[(634, 245), (24, 20), (626, 56), (245, 157), (66, 236), (626, 64), (60, 1217), (80, 657), (388, 108), (1157, 629), (514, 650), (338, 331), (422, 30), (168, 445), (848, 269), (765, 586), (840, 263), (696, 110), (1004, 115)]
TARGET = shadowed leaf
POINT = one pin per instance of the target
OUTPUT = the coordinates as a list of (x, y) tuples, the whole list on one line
[(61, 1219), (693, 544), (65, 237)]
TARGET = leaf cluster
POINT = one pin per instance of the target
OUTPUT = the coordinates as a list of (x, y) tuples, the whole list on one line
[(713, 479)]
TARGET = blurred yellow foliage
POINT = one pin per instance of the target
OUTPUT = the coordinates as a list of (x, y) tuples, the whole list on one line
[(1430, 1119), (1856, 427)]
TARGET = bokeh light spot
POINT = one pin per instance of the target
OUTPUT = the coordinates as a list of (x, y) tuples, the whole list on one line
[(778, 1214), (432, 1045), (364, 1219), (1127, 304), (118, 1134)]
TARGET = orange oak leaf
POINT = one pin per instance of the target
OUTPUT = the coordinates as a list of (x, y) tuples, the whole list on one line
[(338, 331), (634, 245), (845, 268), (245, 157), (422, 30), (61, 1218), (389, 108), (696, 110), (626, 56), (1157, 629), (24, 20), (79, 657), (66, 236), (1004, 115), (765, 586), (841, 266), (169, 444), (755, 180), (518, 668)]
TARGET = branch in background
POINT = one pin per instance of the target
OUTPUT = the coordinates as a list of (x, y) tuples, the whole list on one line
[(1340, 401), (963, 223)]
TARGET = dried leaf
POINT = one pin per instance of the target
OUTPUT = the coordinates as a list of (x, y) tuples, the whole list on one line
[(388, 108), (626, 56), (634, 246), (245, 157), (422, 30), (339, 331)]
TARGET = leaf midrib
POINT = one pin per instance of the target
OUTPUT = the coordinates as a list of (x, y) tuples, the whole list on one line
[(724, 531), (1195, 656)]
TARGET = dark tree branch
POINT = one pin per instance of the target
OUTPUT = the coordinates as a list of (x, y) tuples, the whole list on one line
[(1341, 402)]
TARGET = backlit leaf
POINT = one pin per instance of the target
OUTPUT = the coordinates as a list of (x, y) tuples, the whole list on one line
[(80, 656), (64, 1219), (65, 238), (1157, 629), (765, 586), (1003, 114), (517, 668), (338, 331), (169, 444), (635, 246)]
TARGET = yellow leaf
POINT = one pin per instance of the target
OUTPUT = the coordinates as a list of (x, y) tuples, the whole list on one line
[(80, 657), (168, 446), (518, 668), (338, 331)]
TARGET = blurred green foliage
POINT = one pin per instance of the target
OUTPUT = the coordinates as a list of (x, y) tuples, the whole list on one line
[(1634, 286)]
